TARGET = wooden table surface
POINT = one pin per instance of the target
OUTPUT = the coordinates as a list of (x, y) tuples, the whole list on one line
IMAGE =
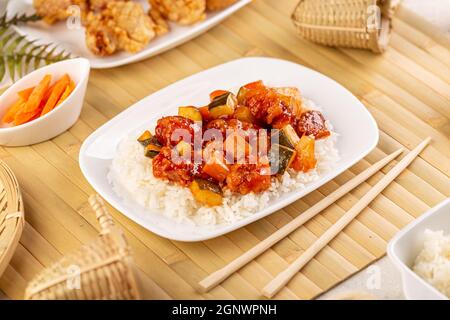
[(407, 90)]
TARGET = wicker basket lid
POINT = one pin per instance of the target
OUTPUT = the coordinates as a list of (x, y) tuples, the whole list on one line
[(103, 269), (363, 24), (12, 217)]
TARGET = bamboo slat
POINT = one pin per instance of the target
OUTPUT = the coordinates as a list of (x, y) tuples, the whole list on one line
[(405, 89)]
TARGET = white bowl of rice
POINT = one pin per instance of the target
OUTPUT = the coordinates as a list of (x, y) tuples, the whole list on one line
[(421, 251)]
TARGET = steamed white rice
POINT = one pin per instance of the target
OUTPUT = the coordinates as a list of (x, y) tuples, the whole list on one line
[(433, 262), (132, 178)]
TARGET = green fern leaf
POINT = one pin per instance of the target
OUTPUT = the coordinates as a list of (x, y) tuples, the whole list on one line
[(12, 59), (19, 55), (2, 68), (17, 19), (4, 41), (3, 31)]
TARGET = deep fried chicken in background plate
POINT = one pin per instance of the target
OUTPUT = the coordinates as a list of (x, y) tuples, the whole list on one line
[(181, 11), (100, 38), (121, 25), (218, 4), (52, 10), (161, 25), (96, 5)]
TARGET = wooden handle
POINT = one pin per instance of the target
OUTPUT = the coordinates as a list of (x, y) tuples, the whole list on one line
[(220, 275), (283, 278)]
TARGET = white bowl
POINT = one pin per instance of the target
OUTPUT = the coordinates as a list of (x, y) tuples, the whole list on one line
[(58, 120), (407, 244)]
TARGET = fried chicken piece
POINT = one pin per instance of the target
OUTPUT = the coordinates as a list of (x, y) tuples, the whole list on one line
[(84, 8), (167, 127), (52, 10), (161, 26), (121, 25), (100, 38), (91, 6), (246, 178), (164, 167), (134, 29), (218, 4), (312, 123), (97, 5), (181, 11)]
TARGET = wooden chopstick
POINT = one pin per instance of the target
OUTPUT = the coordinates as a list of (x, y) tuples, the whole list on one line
[(220, 275), (283, 278)]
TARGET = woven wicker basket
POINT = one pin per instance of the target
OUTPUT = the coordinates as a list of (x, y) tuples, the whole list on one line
[(103, 269), (12, 217), (346, 23)]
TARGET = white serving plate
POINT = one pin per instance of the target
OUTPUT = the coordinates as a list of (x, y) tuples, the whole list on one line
[(407, 244), (358, 133), (73, 39)]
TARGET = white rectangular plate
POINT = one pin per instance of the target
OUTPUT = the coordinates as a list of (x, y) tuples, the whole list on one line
[(358, 133), (73, 40)]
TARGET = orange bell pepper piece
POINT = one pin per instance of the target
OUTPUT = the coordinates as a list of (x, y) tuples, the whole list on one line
[(204, 111), (216, 94)]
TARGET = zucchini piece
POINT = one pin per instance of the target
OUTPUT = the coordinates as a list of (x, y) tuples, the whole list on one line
[(220, 100), (152, 150), (241, 95), (290, 136), (280, 158), (206, 192), (222, 106), (287, 136), (221, 111), (146, 138), (245, 89), (183, 148), (244, 114), (190, 113)]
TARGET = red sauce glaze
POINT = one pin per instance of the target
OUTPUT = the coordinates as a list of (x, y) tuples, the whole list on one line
[(218, 124), (267, 106), (312, 123), (246, 178), (270, 109), (168, 125), (164, 168)]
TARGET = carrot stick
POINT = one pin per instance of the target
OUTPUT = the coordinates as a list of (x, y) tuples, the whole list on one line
[(10, 114), (66, 92), (24, 117), (34, 101), (25, 93), (47, 95), (56, 93)]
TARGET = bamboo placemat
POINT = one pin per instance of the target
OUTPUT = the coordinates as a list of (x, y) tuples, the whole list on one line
[(407, 90)]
